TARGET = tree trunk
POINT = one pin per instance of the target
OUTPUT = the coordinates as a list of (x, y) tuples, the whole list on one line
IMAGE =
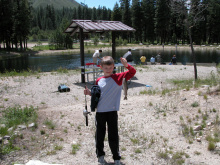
[(26, 43), (193, 54), (21, 46), (81, 34)]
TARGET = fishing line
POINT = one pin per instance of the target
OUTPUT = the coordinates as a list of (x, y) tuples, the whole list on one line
[(85, 112), (84, 56)]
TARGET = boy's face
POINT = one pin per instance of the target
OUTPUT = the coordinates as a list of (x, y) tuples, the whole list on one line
[(107, 69)]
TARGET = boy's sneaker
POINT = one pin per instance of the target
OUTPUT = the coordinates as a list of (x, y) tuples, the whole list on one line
[(101, 160), (117, 162)]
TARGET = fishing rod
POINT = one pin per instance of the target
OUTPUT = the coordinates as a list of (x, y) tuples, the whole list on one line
[(85, 111)]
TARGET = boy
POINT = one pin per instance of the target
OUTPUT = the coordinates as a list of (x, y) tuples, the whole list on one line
[(108, 105)]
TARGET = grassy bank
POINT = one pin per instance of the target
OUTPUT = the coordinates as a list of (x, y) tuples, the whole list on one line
[(10, 119)]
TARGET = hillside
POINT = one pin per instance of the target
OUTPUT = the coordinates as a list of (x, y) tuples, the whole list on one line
[(58, 4)]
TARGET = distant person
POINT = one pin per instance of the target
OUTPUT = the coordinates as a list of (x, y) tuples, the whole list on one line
[(152, 60), (158, 56), (96, 55), (173, 60), (128, 56), (143, 59)]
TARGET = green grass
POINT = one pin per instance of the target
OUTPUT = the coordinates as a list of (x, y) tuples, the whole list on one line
[(218, 68), (163, 155), (212, 80), (75, 148), (50, 124), (215, 139), (138, 151), (43, 47), (12, 117), (134, 140), (58, 147), (211, 146), (148, 92), (178, 158), (195, 104), (62, 70), (22, 73), (42, 132)]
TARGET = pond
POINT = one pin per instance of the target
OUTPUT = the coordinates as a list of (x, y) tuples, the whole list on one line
[(72, 61)]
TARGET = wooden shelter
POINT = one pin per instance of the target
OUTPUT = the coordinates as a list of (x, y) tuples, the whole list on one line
[(99, 26)]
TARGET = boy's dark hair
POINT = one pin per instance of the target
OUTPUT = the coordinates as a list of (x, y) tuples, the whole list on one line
[(107, 60), (100, 50), (129, 49)]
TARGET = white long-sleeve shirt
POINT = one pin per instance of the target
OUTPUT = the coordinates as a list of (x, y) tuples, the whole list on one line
[(96, 54)]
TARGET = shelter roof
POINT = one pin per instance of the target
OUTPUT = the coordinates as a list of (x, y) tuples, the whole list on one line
[(98, 26)]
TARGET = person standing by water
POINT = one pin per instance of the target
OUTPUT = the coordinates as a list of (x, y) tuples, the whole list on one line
[(128, 56), (158, 57), (96, 55), (108, 106)]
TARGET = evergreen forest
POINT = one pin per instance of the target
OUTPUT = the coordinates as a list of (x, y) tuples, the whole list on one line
[(155, 21)]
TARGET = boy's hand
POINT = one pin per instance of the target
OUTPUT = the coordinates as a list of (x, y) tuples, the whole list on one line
[(87, 91), (124, 62)]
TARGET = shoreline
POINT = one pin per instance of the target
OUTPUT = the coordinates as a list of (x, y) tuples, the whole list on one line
[(77, 50), (68, 51)]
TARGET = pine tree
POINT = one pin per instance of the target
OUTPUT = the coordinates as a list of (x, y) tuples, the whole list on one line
[(126, 12), (21, 23), (6, 19), (148, 8), (162, 20), (116, 13), (99, 13), (137, 19), (213, 21), (194, 12), (94, 15)]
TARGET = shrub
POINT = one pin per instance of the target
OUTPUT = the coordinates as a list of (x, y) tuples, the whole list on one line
[(211, 146), (195, 104), (75, 147), (49, 123), (16, 115), (12, 117)]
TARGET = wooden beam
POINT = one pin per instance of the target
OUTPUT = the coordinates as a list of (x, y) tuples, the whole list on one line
[(81, 35), (113, 48)]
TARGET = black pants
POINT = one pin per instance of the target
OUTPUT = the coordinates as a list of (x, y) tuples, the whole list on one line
[(111, 118)]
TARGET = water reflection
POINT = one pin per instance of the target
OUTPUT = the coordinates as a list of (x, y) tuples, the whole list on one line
[(53, 62)]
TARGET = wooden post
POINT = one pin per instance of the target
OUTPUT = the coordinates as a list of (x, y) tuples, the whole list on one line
[(82, 54), (113, 48)]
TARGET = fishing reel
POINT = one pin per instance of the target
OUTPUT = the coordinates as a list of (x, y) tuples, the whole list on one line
[(85, 113)]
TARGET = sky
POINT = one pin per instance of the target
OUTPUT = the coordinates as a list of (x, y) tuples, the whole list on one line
[(95, 3)]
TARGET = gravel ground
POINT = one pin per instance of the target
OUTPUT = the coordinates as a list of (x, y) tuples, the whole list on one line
[(150, 126)]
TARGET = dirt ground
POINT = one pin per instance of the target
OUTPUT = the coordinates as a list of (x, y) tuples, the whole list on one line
[(150, 125)]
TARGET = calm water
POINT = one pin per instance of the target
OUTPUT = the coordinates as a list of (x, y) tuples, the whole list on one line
[(53, 62)]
